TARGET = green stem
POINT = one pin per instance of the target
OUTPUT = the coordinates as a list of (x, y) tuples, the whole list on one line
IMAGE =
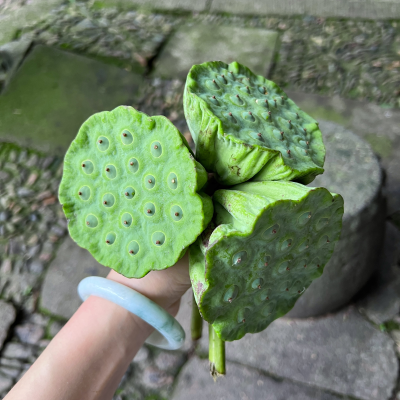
[(216, 353), (197, 322)]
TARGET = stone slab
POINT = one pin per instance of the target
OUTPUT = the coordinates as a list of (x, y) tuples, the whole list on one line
[(195, 44), (59, 295), (54, 92), (30, 13), (187, 5), (342, 353), (363, 9), (381, 301), (7, 317), (240, 383)]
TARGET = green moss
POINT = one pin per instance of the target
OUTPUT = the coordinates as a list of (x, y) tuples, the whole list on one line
[(380, 144)]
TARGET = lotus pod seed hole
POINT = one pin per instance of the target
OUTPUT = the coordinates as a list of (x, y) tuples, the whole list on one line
[(304, 218), (323, 241), (268, 309), (172, 181), (322, 223), (286, 244), (110, 238), (257, 283), (126, 220), (270, 233), (91, 221), (87, 167), (242, 315), (176, 213), (284, 267), (133, 165), (84, 193), (156, 149), (129, 193), (239, 258), (265, 260), (149, 209), (126, 137), (102, 143), (231, 293), (110, 171), (149, 182), (108, 200), (158, 238), (133, 248)]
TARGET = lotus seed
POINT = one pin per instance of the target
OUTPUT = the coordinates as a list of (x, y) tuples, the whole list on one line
[(131, 162), (126, 222), (83, 165), (230, 114), (148, 211), (126, 194), (107, 241), (104, 202), (157, 242), (173, 180), (100, 141), (80, 193), (108, 169), (156, 147), (87, 223), (176, 214), (259, 134), (131, 251), (125, 134)]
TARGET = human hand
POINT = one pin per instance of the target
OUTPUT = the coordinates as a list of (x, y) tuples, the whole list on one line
[(164, 287)]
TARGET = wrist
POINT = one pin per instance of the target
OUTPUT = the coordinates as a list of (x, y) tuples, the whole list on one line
[(164, 287)]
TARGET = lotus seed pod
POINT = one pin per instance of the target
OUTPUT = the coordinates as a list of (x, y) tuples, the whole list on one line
[(244, 126), (271, 241), (130, 190)]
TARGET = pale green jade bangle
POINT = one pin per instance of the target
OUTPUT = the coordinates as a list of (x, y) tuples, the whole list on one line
[(168, 335)]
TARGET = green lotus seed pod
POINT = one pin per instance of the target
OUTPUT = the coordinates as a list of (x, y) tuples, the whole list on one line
[(130, 190), (271, 241), (244, 126)]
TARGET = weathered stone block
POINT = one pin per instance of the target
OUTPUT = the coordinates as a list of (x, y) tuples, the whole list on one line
[(7, 317), (196, 44)]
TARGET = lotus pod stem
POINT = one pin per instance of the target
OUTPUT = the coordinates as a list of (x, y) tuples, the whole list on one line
[(196, 326), (216, 353)]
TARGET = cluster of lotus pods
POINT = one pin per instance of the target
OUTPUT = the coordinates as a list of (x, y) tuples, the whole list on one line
[(137, 198)]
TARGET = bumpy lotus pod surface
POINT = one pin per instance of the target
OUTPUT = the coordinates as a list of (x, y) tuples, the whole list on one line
[(272, 239), (245, 126), (130, 190)]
